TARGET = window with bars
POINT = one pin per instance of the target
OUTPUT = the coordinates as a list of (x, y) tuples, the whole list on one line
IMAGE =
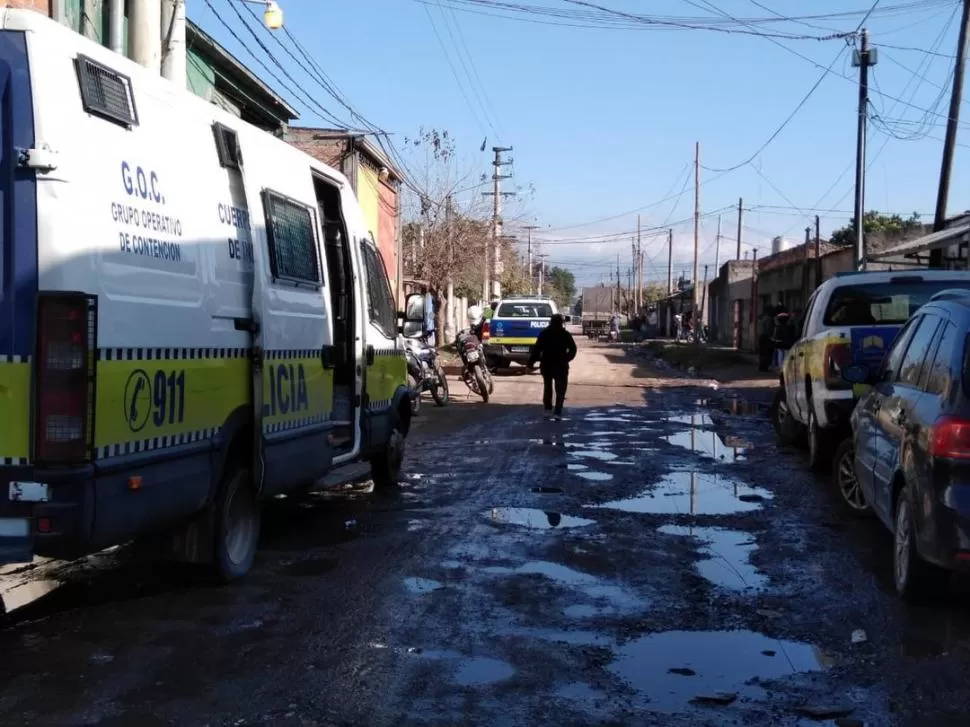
[(105, 92), (290, 227)]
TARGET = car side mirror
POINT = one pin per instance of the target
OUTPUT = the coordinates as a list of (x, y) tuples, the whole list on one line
[(414, 308), (567, 319), (857, 374)]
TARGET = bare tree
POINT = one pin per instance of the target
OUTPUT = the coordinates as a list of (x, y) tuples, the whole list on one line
[(448, 228)]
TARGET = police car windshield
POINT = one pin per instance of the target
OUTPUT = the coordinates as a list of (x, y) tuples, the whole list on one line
[(524, 310), (883, 304)]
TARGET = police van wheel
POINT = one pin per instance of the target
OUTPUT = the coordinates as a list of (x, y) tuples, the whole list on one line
[(237, 524), (385, 467)]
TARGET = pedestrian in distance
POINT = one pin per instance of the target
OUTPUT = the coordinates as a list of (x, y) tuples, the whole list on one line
[(553, 350)]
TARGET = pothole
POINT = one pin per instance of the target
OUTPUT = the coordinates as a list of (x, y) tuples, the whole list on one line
[(532, 518), (606, 598), (728, 562), (421, 585), (473, 671), (691, 493), (594, 476), (704, 662)]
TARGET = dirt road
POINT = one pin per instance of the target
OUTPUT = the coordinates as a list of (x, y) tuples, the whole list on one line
[(653, 559)]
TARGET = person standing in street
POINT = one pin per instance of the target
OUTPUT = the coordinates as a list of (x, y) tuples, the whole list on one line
[(553, 350)]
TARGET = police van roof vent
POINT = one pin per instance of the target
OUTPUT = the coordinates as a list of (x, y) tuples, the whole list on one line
[(105, 92)]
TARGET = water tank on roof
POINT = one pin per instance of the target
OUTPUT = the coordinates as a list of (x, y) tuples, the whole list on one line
[(779, 244)]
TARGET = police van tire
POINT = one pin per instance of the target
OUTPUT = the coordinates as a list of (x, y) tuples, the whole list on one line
[(385, 466), (237, 524)]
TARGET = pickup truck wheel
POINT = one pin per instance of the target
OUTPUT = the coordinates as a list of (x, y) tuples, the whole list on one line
[(914, 578), (785, 425), (818, 444), (237, 524)]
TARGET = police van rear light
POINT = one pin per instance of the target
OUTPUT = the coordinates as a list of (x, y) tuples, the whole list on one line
[(64, 394), (485, 329)]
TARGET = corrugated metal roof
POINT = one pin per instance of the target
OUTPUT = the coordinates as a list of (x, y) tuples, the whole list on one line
[(943, 238)]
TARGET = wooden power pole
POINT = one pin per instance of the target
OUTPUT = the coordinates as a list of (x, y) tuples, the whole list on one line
[(697, 222), (950, 140), (740, 203)]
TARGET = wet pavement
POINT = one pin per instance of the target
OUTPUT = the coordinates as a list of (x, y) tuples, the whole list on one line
[(659, 562)]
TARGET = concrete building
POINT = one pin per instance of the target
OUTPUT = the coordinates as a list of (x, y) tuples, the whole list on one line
[(374, 179), (210, 70), (729, 304), (741, 292)]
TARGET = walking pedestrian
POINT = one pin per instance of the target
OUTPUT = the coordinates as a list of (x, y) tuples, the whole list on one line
[(553, 350)]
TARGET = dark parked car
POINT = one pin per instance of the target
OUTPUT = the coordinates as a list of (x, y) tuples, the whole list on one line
[(911, 434)]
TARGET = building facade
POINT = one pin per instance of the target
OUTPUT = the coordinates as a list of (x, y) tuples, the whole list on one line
[(211, 71), (374, 179)]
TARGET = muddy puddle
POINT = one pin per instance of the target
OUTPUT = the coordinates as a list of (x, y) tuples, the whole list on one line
[(472, 671), (594, 476), (692, 493), (532, 518), (701, 439), (727, 561), (672, 668), (605, 597), (420, 586)]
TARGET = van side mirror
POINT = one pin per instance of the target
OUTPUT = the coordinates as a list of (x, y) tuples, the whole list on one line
[(414, 308), (857, 374)]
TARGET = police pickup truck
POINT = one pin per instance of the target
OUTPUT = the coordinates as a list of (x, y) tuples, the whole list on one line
[(513, 329)]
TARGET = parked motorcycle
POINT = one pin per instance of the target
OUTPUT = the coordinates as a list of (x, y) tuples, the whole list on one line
[(425, 373), (474, 372)]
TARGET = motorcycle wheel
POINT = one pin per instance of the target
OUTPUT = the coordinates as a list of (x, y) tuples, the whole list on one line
[(480, 383), (439, 392), (415, 395)]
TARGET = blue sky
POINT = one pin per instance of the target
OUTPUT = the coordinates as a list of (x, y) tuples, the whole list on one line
[(603, 121)]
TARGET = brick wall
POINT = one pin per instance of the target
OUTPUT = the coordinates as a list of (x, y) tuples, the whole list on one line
[(43, 6), (332, 152)]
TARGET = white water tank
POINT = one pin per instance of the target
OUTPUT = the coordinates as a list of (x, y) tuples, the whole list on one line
[(778, 244)]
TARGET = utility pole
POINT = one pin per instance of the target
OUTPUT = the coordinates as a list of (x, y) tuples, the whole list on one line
[(754, 296), (670, 273), (638, 265), (863, 58), (818, 252), (949, 142), (542, 267), (717, 245), (532, 275), (740, 203), (808, 250), (495, 273), (697, 226), (700, 318), (619, 289), (450, 289)]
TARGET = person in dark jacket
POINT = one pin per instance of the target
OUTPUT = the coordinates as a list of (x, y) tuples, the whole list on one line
[(554, 349)]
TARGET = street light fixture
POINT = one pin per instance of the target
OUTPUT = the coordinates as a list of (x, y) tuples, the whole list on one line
[(272, 13)]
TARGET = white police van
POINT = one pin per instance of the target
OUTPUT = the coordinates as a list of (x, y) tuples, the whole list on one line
[(192, 313), (511, 332)]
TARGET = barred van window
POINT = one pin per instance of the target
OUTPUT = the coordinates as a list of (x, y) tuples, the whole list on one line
[(292, 240)]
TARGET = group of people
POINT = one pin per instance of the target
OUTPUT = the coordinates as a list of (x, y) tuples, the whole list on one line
[(778, 333)]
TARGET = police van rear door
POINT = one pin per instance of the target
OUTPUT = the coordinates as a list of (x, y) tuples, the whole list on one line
[(18, 292)]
